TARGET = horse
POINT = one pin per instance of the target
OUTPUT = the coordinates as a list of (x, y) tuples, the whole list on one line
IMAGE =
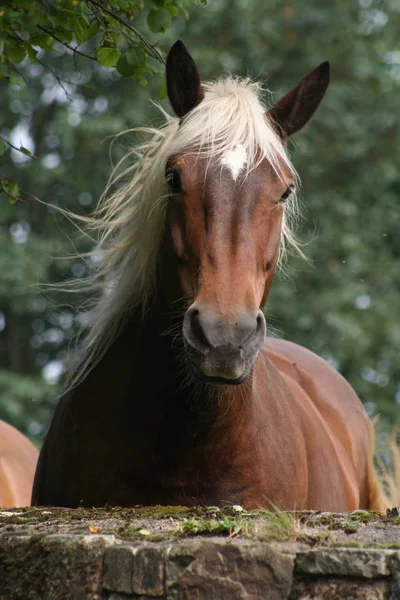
[(18, 459), (178, 397)]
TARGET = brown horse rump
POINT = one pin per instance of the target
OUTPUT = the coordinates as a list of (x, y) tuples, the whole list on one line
[(18, 458)]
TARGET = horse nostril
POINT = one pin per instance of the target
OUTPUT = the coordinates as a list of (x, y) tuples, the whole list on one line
[(261, 325), (197, 330)]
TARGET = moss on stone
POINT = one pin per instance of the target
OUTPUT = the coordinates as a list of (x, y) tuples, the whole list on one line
[(161, 523)]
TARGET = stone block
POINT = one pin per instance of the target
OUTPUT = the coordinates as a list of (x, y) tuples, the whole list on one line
[(135, 569), (52, 567), (224, 570), (340, 589), (395, 573), (350, 562)]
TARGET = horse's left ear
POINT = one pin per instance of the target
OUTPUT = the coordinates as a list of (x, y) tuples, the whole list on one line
[(183, 80), (295, 109)]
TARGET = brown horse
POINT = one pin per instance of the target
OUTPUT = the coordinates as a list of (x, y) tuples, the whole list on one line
[(18, 459), (178, 396)]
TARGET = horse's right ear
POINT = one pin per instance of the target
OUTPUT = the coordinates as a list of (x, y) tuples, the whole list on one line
[(183, 80)]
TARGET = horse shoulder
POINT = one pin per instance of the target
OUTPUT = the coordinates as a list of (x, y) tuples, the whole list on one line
[(325, 386), (338, 429)]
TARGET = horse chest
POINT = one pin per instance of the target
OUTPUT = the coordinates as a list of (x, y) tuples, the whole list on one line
[(179, 464)]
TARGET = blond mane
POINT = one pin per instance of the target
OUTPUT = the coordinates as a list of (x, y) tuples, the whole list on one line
[(130, 217)]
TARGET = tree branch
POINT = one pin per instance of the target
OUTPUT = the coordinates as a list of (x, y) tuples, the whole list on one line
[(59, 81), (16, 148), (151, 49), (74, 50)]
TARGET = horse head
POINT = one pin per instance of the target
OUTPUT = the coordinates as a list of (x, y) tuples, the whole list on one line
[(229, 193)]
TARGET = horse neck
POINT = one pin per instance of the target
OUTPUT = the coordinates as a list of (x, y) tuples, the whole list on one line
[(150, 352)]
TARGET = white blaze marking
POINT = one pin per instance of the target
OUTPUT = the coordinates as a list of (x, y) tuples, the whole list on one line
[(235, 160)]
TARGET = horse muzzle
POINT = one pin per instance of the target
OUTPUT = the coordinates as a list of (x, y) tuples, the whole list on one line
[(222, 351)]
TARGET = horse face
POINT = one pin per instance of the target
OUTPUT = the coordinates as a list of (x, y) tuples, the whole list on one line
[(225, 226), (225, 229)]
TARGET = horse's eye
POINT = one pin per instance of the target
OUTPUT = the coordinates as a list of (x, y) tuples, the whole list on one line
[(174, 182), (286, 193)]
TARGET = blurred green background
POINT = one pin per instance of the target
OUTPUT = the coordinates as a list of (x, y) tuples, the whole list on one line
[(344, 305)]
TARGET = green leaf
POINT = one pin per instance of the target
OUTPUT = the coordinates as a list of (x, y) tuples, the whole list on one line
[(159, 20), (3, 147), (173, 10), (131, 61), (12, 189), (108, 57), (25, 151), (29, 22), (140, 74), (16, 53), (16, 79), (125, 65), (93, 29), (81, 29), (68, 35), (15, 16), (44, 41), (32, 54), (84, 10), (115, 36)]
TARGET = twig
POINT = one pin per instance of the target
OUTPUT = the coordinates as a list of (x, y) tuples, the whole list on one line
[(74, 50), (59, 81), (130, 39), (14, 68), (16, 148), (153, 51)]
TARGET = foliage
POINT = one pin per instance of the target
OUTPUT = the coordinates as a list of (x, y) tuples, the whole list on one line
[(25, 401), (342, 305), (103, 32)]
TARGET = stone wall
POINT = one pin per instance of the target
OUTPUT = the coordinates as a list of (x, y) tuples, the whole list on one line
[(177, 554)]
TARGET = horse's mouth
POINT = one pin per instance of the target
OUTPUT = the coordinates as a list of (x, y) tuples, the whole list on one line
[(216, 380)]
